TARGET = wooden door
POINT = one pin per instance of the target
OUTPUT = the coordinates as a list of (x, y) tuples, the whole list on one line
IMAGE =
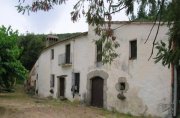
[(62, 86), (97, 92)]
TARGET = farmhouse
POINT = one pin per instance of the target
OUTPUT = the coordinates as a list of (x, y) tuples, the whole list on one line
[(72, 69)]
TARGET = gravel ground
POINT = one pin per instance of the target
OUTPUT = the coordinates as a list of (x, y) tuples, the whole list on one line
[(20, 105)]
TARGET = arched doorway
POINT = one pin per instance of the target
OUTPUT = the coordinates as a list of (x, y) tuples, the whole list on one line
[(93, 77), (97, 92)]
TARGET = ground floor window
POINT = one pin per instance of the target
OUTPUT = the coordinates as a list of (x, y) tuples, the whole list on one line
[(76, 82), (52, 80)]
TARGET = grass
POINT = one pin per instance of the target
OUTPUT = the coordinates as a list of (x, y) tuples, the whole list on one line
[(115, 114), (2, 110), (104, 112)]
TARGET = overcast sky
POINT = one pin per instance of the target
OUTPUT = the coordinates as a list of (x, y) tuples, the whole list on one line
[(57, 20)]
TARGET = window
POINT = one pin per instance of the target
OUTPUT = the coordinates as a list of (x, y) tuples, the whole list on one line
[(52, 53), (68, 52), (99, 52), (76, 82), (133, 49), (52, 81), (122, 85)]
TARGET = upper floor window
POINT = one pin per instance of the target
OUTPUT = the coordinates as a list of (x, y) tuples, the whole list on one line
[(99, 52), (52, 80), (133, 49), (52, 53), (68, 54)]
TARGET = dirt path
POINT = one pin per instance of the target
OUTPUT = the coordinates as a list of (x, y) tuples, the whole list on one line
[(20, 105)]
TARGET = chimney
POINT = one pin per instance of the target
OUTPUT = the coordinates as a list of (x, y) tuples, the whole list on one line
[(51, 39)]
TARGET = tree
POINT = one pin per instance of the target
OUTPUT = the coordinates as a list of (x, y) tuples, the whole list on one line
[(31, 46), (10, 67), (171, 54), (100, 12), (142, 14)]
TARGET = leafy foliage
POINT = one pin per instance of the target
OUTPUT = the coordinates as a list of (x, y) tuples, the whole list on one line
[(100, 12), (10, 67), (171, 54), (96, 15), (31, 46)]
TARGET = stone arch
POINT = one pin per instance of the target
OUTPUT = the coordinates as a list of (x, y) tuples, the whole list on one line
[(97, 73)]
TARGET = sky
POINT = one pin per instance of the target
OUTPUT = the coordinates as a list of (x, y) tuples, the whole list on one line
[(56, 21)]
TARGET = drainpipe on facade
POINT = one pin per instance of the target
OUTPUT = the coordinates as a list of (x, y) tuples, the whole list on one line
[(174, 88), (174, 92)]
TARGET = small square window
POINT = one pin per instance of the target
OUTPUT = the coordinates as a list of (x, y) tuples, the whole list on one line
[(122, 86), (133, 49)]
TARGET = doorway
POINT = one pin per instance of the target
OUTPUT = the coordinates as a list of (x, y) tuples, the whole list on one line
[(97, 92), (62, 87)]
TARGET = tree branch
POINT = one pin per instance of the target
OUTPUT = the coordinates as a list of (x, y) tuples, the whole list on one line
[(118, 10), (152, 28), (117, 5), (161, 8)]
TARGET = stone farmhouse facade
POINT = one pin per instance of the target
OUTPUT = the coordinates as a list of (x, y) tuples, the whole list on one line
[(70, 69)]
